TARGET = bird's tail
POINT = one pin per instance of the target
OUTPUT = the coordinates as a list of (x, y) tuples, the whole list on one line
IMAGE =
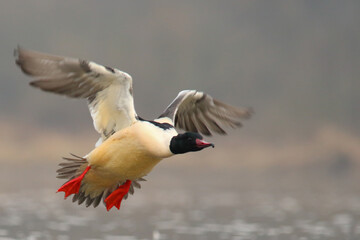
[(74, 169)]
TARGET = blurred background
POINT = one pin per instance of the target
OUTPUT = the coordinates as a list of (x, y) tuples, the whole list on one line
[(291, 172)]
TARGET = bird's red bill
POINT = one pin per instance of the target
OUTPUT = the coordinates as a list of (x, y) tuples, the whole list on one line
[(73, 186), (203, 144), (115, 198)]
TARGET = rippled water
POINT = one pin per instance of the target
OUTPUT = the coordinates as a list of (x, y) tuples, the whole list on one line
[(198, 207)]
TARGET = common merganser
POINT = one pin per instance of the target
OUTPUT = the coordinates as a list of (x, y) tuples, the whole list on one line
[(129, 146)]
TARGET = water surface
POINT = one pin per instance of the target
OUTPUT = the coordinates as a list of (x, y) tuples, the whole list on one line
[(183, 203)]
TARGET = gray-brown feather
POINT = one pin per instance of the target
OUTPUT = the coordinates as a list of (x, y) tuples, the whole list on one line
[(62, 75), (80, 78), (198, 112)]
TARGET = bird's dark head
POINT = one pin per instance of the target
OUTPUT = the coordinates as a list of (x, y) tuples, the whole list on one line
[(188, 142)]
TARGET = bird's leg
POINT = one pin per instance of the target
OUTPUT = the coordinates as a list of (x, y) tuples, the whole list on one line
[(73, 186), (115, 198)]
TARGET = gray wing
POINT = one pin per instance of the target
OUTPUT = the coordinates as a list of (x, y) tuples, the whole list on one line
[(108, 90), (198, 112)]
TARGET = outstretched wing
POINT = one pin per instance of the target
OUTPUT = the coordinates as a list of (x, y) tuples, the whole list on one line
[(108, 90), (198, 112)]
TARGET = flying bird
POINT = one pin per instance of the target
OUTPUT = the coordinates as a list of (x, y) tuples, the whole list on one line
[(129, 146)]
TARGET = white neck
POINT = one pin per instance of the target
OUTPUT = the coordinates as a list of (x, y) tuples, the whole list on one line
[(155, 139)]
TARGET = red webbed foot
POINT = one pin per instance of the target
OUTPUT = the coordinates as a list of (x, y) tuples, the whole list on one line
[(115, 198), (73, 186)]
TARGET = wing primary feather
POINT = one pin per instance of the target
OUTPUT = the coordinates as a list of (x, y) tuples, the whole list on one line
[(190, 126), (224, 119), (213, 125), (233, 111), (200, 125)]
